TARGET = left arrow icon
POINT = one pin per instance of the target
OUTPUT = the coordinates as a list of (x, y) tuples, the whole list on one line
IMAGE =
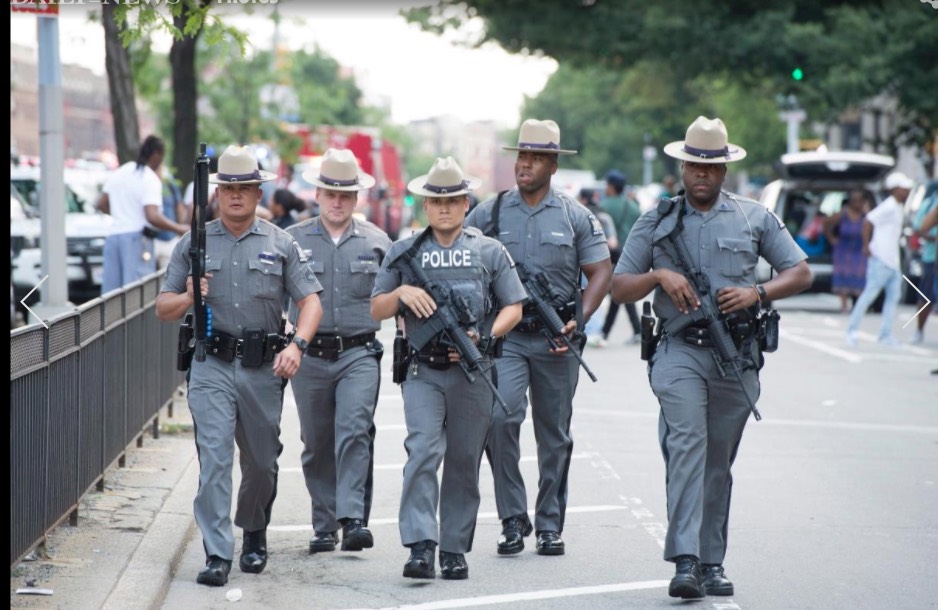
[(36, 287)]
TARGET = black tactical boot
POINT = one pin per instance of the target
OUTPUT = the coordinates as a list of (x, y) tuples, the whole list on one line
[(453, 566), (549, 543), (355, 536), (715, 581), (514, 530), (421, 560), (215, 572), (323, 542), (688, 580), (254, 552)]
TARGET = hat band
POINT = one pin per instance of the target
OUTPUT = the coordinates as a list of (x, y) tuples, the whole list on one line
[(334, 182), (442, 190), (549, 145), (707, 153), (255, 175)]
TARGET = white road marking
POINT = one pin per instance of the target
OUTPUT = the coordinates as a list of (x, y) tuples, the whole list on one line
[(481, 517), (646, 519), (821, 347), (508, 598)]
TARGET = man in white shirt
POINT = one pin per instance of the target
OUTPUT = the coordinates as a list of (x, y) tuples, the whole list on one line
[(881, 231), (133, 196)]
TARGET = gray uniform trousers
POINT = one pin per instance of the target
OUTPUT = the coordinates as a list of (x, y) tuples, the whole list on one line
[(336, 403), (700, 425), (447, 421), (230, 403), (527, 362)]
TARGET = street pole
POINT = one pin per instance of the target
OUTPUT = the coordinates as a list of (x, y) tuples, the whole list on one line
[(51, 169), (649, 154)]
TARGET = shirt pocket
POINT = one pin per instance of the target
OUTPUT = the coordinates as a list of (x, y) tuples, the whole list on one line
[(556, 248), (266, 279), (218, 287), (737, 257), (362, 278)]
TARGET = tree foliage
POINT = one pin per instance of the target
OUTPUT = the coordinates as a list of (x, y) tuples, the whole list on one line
[(849, 50)]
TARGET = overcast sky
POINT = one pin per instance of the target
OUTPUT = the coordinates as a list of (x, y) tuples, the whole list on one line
[(421, 74)]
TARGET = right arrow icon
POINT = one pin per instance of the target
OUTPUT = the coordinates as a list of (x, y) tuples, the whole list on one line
[(927, 300)]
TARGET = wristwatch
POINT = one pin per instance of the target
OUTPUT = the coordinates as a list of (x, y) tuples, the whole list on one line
[(762, 293), (301, 343)]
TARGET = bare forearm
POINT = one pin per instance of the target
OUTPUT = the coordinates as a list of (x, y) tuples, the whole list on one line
[(631, 288), (598, 277), (309, 316), (506, 319), (789, 282), (385, 305), (172, 306)]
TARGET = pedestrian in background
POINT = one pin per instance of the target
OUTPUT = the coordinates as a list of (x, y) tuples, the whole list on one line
[(927, 239), (133, 196), (703, 410), (175, 209), (546, 231), (624, 211), (882, 229), (447, 416), (337, 387), (236, 393), (844, 231), (284, 208)]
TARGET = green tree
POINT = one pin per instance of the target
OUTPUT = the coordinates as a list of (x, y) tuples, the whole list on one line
[(849, 50)]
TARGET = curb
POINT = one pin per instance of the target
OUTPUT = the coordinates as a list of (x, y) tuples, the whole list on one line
[(150, 570)]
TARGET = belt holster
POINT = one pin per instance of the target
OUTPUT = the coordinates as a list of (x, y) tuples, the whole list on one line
[(768, 330), (650, 339), (185, 347), (402, 357)]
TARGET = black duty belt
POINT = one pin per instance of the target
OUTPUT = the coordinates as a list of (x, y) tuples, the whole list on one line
[(436, 356), (531, 323), (698, 335), (329, 347), (228, 347)]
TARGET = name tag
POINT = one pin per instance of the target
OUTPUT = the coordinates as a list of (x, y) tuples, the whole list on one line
[(268, 258)]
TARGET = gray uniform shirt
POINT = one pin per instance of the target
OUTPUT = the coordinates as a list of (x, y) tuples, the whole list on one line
[(724, 242), (250, 275), (556, 236), (347, 270), (493, 273)]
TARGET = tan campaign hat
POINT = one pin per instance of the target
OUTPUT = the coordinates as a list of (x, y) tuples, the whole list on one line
[(446, 179), (237, 165), (540, 136), (706, 141), (339, 171)]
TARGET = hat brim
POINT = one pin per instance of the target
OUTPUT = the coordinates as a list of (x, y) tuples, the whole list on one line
[(365, 182), (265, 177), (416, 186), (676, 150), (554, 151)]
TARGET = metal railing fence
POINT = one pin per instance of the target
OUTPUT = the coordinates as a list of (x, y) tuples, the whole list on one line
[(80, 392)]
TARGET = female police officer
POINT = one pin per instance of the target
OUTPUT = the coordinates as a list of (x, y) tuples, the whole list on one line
[(446, 415)]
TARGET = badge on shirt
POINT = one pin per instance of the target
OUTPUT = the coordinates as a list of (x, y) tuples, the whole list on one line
[(597, 226), (268, 258)]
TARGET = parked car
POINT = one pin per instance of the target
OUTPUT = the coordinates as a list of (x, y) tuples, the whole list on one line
[(85, 232), (812, 186)]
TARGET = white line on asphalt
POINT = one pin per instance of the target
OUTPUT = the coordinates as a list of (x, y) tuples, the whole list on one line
[(508, 598), (821, 347), (526, 458), (482, 516), (647, 519)]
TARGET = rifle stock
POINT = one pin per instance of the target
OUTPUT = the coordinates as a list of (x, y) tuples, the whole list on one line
[(202, 319)]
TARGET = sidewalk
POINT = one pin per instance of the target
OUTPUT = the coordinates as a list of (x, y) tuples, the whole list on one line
[(124, 550)]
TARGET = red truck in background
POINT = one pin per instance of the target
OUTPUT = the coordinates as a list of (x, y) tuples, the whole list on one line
[(384, 203)]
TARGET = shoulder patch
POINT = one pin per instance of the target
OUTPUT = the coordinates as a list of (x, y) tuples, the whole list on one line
[(300, 253), (781, 225), (597, 226)]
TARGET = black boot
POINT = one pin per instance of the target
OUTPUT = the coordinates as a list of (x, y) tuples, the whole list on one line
[(421, 560), (715, 581), (355, 536), (215, 572), (514, 530), (453, 566), (254, 552), (688, 580), (323, 542), (549, 543)]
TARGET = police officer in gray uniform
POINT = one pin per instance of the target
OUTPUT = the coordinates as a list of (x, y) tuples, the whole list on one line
[(447, 416), (249, 265), (702, 412), (546, 231), (336, 389)]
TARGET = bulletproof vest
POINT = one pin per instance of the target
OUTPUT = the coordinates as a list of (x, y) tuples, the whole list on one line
[(460, 271)]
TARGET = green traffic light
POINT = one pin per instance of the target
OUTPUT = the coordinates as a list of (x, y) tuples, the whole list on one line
[(797, 74), (409, 201)]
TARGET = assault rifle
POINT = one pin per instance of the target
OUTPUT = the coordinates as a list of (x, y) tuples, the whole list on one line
[(726, 355), (202, 320), (540, 294), (452, 316)]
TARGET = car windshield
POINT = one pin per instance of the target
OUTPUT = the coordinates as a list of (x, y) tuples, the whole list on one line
[(29, 187)]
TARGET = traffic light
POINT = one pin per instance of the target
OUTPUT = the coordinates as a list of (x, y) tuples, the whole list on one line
[(797, 74)]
